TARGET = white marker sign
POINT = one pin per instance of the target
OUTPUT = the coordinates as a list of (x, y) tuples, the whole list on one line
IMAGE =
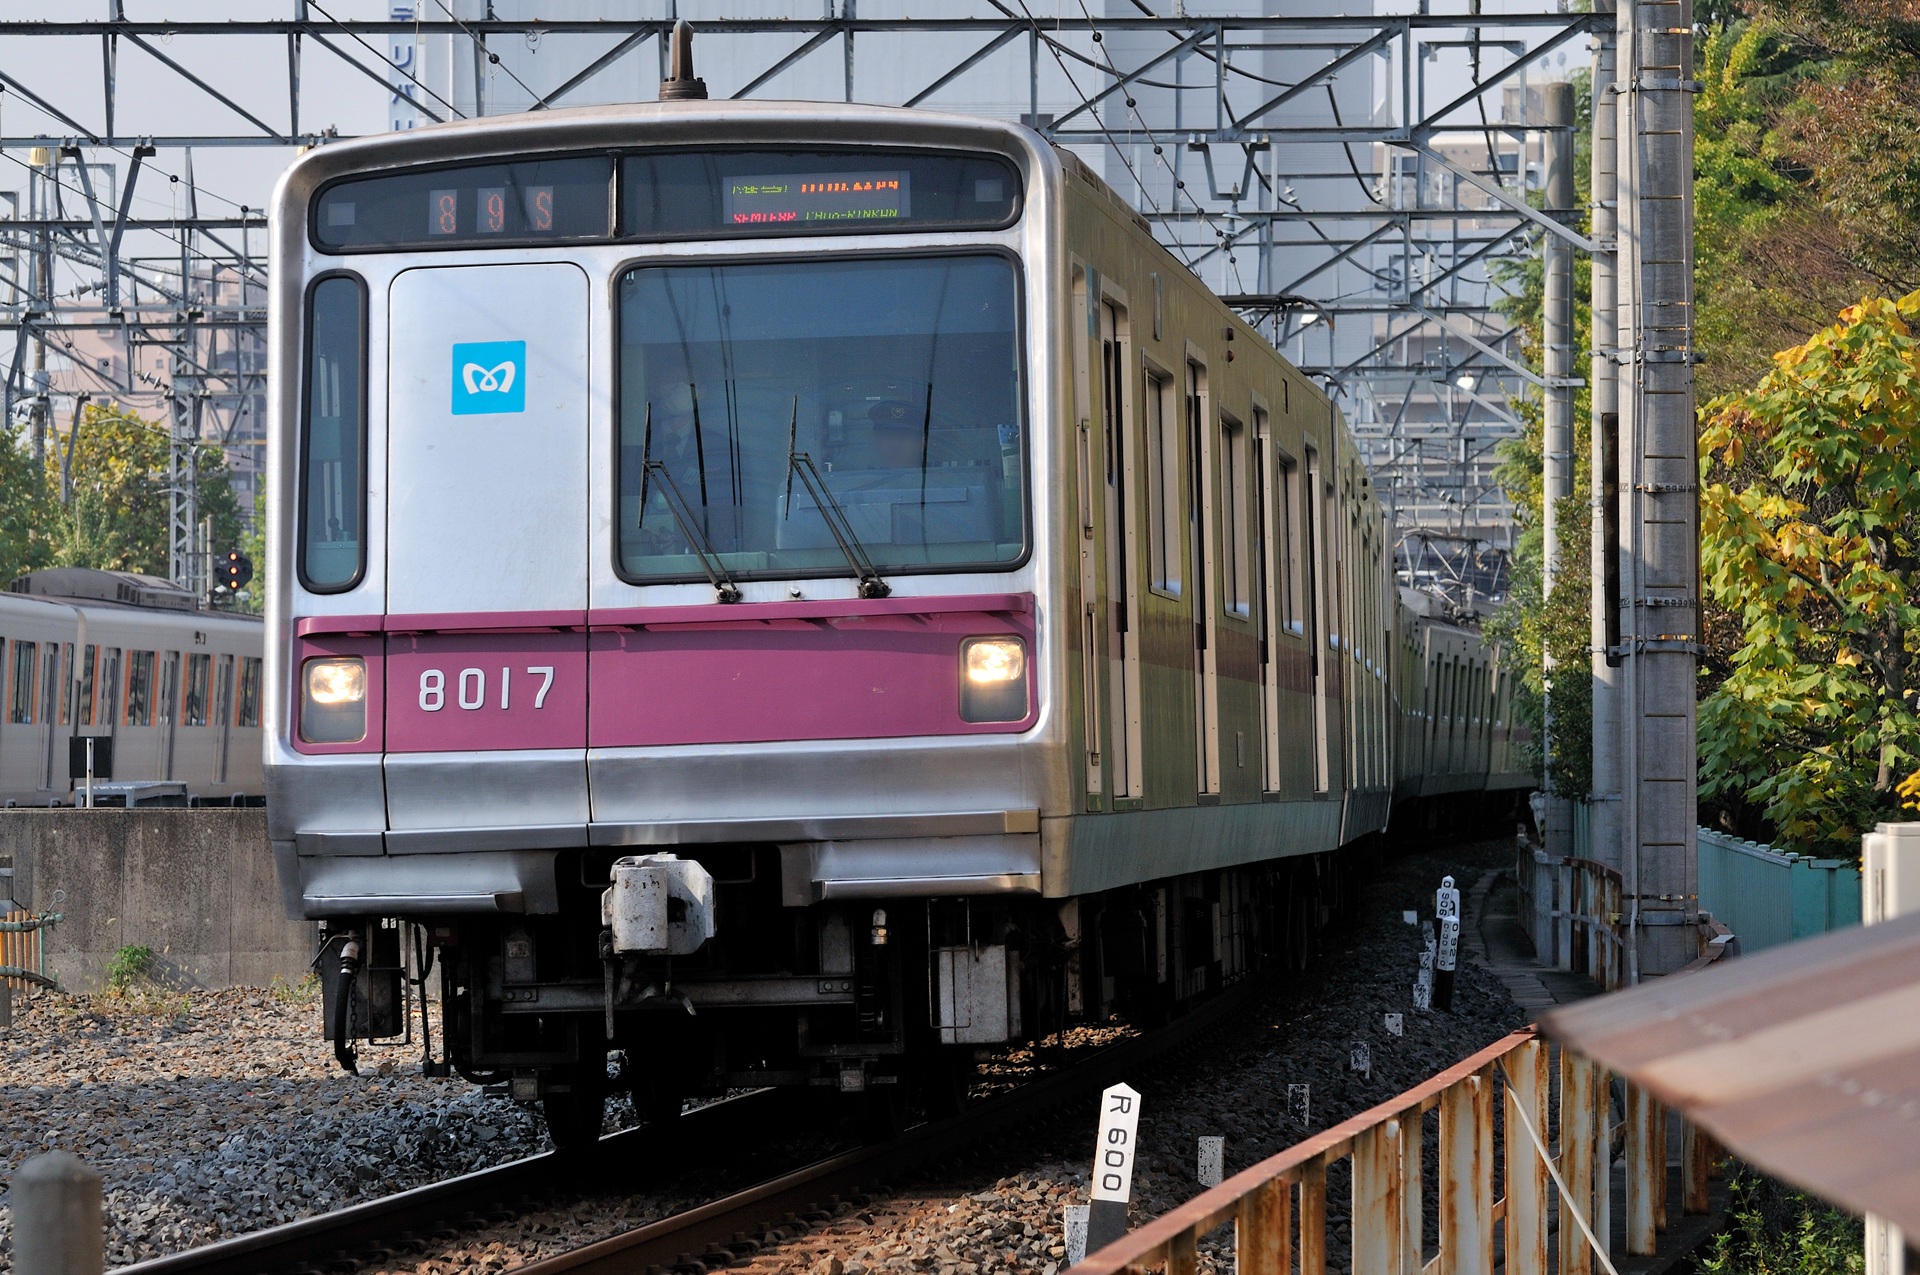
[(1113, 1155)]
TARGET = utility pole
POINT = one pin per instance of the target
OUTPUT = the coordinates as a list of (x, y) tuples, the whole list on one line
[(1557, 262), (1603, 449), (1659, 484)]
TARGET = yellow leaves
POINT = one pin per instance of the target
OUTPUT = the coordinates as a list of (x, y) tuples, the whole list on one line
[(1846, 658), (1909, 790)]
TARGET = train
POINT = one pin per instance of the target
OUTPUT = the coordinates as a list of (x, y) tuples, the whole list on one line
[(797, 594), (162, 693)]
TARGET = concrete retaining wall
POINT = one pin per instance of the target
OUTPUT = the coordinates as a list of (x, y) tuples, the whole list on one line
[(196, 886)]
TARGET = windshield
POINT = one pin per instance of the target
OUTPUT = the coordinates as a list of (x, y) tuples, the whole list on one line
[(894, 384)]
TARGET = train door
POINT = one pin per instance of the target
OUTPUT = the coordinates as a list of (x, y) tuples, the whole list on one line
[(1090, 662), (166, 711), (1265, 596), (222, 718), (1199, 543), (1123, 653), (1313, 535), (487, 543)]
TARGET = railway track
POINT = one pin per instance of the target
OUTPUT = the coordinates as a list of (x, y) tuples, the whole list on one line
[(708, 1236)]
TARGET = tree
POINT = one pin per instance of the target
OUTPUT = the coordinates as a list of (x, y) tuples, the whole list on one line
[(22, 508), (113, 512), (1810, 541), (1545, 639)]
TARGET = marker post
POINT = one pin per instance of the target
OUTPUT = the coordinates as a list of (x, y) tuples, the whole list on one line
[(1113, 1166), (1446, 927)]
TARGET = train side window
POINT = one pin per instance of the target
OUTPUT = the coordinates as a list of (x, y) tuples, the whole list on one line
[(89, 662), (167, 702), (193, 712), (108, 680), (1236, 592), (50, 677), (248, 711), (1286, 495), (26, 657), (139, 698), (334, 436), (1163, 482)]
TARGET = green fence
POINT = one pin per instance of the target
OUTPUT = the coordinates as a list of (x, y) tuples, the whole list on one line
[(1765, 896), (1768, 897)]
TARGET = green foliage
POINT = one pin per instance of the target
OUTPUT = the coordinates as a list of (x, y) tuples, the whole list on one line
[(304, 992), (112, 511), (1810, 541), (1546, 637), (22, 507), (129, 966), (1774, 1230), (1771, 262), (102, 498)]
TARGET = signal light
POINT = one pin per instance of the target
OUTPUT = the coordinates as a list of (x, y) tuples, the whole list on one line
[(234, 570)]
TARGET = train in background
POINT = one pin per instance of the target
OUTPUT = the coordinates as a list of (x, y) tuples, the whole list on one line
[(795, 594), (170, 693)]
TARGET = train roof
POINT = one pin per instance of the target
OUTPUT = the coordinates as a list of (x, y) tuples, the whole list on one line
[(128, 589)]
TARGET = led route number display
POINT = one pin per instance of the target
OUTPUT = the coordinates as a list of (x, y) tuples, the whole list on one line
[(488, 210), (816, 197)]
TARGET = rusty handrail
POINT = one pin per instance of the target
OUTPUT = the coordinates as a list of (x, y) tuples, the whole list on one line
[(1279, 1205), (1156, 1240)]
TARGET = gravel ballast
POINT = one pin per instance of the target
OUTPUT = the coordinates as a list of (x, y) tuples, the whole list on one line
[(213, 1114)]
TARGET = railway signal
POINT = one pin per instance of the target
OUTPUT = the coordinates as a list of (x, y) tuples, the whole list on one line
[(234, 570)]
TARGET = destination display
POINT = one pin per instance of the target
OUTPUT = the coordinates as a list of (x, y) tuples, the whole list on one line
[(694, 194), (526, 201), (794, 198)]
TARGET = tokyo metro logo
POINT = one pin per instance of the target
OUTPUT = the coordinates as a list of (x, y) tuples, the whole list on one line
[(489, 377)]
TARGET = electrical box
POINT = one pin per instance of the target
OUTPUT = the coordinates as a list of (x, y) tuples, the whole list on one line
[(1890, 872)]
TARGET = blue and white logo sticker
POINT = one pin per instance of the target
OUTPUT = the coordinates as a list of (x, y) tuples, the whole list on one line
[(489, 377)]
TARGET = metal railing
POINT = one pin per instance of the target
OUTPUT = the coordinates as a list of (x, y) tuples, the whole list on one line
[(1574, 915), (1555, 1143), (23, 949)]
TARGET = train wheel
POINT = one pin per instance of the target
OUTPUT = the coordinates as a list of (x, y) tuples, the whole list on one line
[(659, 1103), (943, 1080), (576, 1114), (883, 1112)]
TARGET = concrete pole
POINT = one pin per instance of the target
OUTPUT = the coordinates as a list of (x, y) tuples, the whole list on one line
[(1604, 795), (58, 1221), (1557, 260), (1659, 484)]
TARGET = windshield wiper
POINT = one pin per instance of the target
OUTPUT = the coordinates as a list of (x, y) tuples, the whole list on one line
[(725, 590), (871, 585)]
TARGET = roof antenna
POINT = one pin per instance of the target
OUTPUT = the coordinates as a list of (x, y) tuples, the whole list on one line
[(681, 84)]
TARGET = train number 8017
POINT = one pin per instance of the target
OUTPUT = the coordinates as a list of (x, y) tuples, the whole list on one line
[(470, 688)]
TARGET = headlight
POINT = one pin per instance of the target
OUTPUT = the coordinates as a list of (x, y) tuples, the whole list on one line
[(993, 680), (334, 700)]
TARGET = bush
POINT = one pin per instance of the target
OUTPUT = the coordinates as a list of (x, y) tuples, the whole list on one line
[(129, 966), (1773, 1229)]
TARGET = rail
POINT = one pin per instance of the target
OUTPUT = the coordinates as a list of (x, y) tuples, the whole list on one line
[(1278, 1208)]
